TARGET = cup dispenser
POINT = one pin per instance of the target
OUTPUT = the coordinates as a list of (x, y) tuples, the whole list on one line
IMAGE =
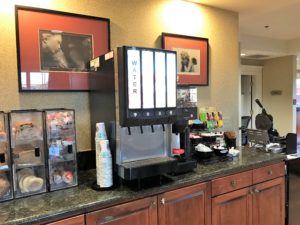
[(133, 90), (28, 155), (61, 148), (6, 183)]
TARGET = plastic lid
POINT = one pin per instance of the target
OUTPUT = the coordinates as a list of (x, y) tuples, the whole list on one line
[(177, 151)]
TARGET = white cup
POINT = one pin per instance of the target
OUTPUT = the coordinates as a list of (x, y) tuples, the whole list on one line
[(100, 131)]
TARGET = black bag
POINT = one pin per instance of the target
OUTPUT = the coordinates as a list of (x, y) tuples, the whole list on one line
[(263, 120)]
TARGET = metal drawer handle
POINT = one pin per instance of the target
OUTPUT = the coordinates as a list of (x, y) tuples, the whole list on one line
[(256, 190), (163, 201), (270, 172), (108, 218), (233, 183)]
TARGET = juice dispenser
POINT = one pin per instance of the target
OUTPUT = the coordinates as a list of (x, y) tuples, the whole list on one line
[(6, 186), (28, 155), (133, 90), (61, 148)]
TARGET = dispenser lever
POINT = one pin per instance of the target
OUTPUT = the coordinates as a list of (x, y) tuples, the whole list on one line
[(70, 148), (129, 131), (37, 152), (141, 127), (2, 158), (163, 127), (152, 128)]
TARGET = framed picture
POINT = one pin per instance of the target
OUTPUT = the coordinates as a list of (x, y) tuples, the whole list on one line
[(192, 58), (54, 48)]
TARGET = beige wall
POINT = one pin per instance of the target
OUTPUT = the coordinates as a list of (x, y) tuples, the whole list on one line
[(279, 74), (252, 62), (139, 23)]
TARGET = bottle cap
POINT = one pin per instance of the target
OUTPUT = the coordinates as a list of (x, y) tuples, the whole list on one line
[(177, 151)]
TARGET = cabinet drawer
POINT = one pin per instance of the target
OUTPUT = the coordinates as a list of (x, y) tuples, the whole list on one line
[(231, 183), (268, 172)]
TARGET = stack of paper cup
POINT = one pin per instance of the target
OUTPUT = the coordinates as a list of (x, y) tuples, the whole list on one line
[(100, 131), (103, 157)]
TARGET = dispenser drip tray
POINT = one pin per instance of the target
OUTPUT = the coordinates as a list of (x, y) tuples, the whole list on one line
[(146, 168)]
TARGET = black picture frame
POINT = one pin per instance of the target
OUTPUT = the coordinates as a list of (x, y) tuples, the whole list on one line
[(198, 48), (32, 77)]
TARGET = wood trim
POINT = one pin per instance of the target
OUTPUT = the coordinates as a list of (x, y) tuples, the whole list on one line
[(76, 220), (114, 213), (231, 196)]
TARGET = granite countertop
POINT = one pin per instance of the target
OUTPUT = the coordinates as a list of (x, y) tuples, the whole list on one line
[(82, 199)]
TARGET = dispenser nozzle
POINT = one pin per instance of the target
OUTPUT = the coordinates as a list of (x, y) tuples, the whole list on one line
[(152, 128), (129, 131), (141, 127)]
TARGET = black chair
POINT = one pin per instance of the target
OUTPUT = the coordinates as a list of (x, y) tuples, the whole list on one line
[(245, 123)]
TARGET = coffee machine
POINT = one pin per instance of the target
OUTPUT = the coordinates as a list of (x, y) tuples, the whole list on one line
[(133, 90), (186, 110)]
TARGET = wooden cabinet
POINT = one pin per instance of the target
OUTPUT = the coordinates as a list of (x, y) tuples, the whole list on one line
[(233, 208), (253, 197), (76, 220), (190, 205), (268, 202), (259, 204), (139, 212)]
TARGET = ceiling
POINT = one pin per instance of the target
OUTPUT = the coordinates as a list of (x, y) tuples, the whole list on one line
[(282, 16)]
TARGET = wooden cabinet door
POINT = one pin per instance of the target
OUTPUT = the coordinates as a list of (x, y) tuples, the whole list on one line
[(233, 208), (185, 206), (269, 202), (76, 220), (140, 212)]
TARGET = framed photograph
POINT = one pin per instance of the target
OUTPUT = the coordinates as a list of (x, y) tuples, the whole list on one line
[(192, 58), (54, 48)]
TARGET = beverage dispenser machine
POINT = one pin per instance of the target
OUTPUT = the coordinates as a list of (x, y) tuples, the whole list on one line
[(133, 90)]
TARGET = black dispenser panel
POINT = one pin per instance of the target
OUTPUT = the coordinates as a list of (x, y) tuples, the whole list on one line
[(146, 86)]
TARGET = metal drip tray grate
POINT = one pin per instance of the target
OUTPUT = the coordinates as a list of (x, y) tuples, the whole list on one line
[(147, 167), (147, 162)]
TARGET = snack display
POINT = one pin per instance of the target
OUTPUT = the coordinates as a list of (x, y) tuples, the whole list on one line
[(28, 155), (61, 176), (3, 159), (67, 176), (27, 144), (28, 182), (4, 186), (61, 142), (6, 192)]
